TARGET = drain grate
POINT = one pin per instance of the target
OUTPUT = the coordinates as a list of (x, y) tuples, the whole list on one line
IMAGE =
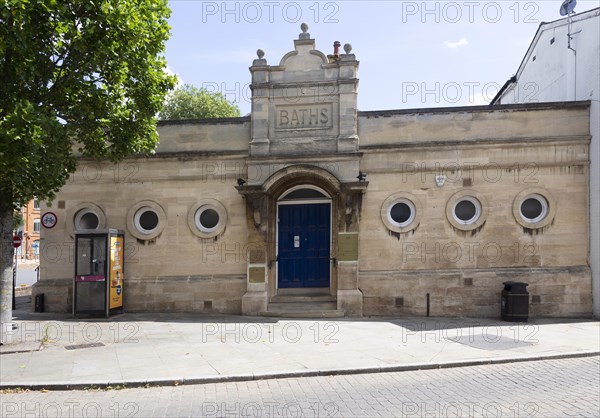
[(88, 345)]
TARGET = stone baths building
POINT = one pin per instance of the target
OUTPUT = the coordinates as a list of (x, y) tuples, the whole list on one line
[(309, 207)]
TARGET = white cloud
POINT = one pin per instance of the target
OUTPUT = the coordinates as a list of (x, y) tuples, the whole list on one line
[(169, 71), (452, 45)]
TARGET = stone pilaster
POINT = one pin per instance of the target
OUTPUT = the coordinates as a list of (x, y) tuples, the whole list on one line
[(256, 297), (349, 297)]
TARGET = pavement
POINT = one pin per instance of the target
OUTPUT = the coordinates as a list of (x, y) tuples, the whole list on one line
[(55, 351)]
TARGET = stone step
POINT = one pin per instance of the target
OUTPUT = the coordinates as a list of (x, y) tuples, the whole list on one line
[(301, 299), (305, 291), (309, 303), (307, 314), (301, 307)]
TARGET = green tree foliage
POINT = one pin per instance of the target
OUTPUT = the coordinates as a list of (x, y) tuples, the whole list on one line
[(17, 218), (75, 76), (189, 102)]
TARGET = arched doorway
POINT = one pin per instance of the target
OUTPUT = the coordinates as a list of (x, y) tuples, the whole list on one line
[(304, 239), (296, 218)]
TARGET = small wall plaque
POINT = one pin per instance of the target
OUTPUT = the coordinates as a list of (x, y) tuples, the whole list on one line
[(256, 274), (347, 246)]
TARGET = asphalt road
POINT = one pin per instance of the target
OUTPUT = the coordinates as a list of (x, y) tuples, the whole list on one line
[(551, 388)]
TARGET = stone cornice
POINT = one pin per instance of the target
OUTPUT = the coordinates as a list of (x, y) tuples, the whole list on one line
[(465, 143), (584, 104)]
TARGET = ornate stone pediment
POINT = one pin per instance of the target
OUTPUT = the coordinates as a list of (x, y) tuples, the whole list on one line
[(306, 104)]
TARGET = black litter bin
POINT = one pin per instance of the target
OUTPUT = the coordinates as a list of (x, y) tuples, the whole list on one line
[(515, 302)]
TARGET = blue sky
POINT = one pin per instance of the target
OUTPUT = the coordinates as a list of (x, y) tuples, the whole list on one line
[(412, 53)]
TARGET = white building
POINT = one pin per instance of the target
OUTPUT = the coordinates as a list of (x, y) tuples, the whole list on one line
[(563, 64)]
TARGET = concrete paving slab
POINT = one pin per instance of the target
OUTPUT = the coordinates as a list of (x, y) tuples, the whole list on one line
[(164, 349), (20, 347)]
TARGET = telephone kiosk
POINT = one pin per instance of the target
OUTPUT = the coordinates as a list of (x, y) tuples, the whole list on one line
[(99, 273)]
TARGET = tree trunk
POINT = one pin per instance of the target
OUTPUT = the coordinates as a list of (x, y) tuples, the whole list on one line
[(6, 274)]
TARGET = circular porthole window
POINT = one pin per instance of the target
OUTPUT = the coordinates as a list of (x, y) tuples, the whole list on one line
[(401, 212), (146, 220), (84, 215), (466, 210), (207, 218), (86, 219), (534, 208)]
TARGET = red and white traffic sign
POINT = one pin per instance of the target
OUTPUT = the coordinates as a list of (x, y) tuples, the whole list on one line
[(16, 241)]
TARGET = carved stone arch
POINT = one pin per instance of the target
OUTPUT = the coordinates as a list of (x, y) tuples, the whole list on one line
[(296, 175), (279, 183), (289, 59)]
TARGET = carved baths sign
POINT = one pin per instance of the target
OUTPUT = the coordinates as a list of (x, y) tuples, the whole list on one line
[(308, 116)]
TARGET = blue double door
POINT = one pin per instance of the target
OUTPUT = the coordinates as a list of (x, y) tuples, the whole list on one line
[(304, 242)]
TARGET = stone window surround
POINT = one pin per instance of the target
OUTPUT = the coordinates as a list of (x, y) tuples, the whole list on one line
[(532, 192), (402, 197), (473, 196), (469, 194), (193, 221), (77, 211), (132, 213)]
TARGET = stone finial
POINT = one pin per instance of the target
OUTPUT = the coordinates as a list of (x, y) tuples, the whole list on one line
[(348, 56), (304, 34), (260, 53)]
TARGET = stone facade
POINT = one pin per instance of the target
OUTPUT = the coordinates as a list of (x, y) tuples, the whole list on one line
[(400, 187)]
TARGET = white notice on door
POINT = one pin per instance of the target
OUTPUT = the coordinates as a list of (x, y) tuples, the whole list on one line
[(296, 241)]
